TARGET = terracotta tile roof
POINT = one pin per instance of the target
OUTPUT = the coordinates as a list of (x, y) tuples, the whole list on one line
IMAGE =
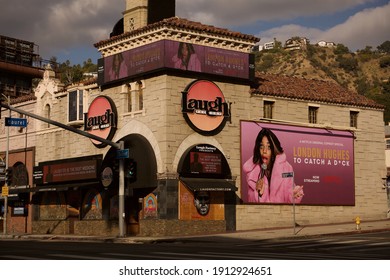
[(176, 22), (23, 98), (309, 90)]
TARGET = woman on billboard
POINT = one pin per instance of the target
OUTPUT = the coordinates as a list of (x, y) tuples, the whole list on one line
[(268, 173), (186, 58)]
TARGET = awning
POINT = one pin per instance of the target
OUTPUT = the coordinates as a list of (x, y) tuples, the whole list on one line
[(51, 187), (10, 197), (207, 184)]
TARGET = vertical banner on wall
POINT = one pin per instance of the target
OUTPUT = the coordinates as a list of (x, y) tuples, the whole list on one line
[(319, 161)]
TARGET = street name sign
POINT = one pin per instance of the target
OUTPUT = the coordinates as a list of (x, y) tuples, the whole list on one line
[(19, 122), (122, 154)]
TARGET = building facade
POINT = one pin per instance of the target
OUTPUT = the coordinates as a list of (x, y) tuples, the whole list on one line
[(189, 124), (19, 66)]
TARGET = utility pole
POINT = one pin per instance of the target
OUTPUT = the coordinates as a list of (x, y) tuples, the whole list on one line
[(6, 168), (118, 146)]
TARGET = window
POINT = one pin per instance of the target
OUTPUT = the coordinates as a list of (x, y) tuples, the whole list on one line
[(130, 100), (387, 144), (47, 112), (268, 108), (313, 111), (135, 101), (353, 118), (140, 96), (76, 100)]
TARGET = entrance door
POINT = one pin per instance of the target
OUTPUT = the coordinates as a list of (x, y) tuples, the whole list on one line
[(132, 214)]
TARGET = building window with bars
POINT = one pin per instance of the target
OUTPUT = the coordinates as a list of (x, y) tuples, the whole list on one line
[(353, 118), (268, 109), (313, 112)]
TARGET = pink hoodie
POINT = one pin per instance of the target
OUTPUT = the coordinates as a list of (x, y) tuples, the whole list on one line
[(281, 188)]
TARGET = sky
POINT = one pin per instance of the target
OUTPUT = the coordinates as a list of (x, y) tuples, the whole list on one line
[(68, 29)]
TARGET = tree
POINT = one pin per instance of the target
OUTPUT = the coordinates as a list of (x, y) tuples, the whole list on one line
[(384, 47), (89, 66), (349, 64), (341, 49), (278, 44), (366, 50), (75, 73), (384, 62)]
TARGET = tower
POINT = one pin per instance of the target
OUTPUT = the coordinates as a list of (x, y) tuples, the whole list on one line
[(140, 13)]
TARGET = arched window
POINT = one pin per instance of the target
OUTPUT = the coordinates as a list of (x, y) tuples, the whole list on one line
[(47, 112), (140, 96)]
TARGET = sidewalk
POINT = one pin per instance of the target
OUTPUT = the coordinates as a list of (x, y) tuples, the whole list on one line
[(285, 232)]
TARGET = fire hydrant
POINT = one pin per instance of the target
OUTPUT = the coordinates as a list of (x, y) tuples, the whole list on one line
[(357, 222)]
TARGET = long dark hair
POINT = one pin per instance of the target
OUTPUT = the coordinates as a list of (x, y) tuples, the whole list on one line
[(190, 49), (276, 149)]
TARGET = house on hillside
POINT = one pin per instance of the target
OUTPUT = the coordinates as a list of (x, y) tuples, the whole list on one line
[(266, 46), (296, 43), (326, 44)]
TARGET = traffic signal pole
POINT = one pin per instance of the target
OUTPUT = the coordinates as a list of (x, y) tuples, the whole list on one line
[(119, 146), (6, 168)]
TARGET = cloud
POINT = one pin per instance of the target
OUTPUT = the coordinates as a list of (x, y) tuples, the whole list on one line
[(62, 27), (58, 26), (370, 27), (243, 12)]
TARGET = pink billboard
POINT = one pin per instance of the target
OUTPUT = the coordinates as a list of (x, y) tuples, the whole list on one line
[(287, 164)]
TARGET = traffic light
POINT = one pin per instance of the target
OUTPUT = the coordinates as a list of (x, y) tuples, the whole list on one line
[(131, 170), (8, 176), (2, 173)]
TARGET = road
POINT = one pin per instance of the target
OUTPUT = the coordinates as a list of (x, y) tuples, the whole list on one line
[(364, 246)]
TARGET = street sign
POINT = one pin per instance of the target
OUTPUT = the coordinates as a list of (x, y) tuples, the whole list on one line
[(19, 122), (122, 154), (4, 191)]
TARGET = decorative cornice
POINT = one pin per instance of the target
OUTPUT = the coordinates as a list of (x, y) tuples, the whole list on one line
[(181, 30)]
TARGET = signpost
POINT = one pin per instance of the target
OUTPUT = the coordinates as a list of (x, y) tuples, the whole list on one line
[(19, 122), (291, 175)]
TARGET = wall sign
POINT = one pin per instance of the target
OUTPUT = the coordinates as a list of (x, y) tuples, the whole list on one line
[(68, 170), (204, 107), (107, 177), (204, 161), (101, 119)]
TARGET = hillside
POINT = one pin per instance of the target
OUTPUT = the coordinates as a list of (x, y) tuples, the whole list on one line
[(366, 72)]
